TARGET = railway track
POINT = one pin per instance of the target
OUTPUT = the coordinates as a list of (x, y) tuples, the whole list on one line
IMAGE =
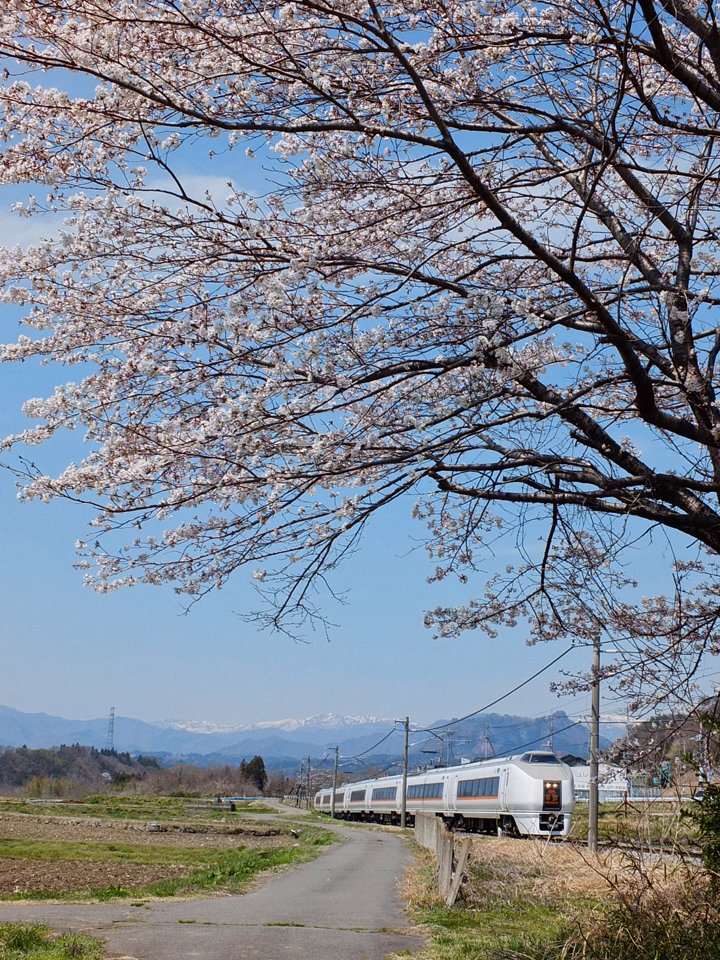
[(660, 849)]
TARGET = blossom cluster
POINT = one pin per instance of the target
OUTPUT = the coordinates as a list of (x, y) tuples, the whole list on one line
[(485, 277)]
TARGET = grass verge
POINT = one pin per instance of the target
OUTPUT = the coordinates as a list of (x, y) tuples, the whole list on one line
[(507, 910), (21, 941), (106, 852)]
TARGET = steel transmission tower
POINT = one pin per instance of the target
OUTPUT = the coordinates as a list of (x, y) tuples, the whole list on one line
[(111, 730)]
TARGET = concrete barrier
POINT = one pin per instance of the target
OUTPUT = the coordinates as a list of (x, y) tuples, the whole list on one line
[(431, 833), (426, 831)]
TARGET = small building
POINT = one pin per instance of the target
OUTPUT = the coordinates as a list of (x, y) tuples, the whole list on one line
[(613, 783)]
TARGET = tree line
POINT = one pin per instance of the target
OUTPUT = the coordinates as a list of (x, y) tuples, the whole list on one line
[(76, 770)]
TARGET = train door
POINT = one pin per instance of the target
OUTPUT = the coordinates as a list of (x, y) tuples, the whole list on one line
[(448, 794), (504, 792)]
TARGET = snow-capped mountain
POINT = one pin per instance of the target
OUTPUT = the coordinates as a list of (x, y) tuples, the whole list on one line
[(323, 721), (283, 743), (287, 738)]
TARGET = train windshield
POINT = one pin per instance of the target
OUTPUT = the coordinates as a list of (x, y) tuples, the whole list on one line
[(539, 758)]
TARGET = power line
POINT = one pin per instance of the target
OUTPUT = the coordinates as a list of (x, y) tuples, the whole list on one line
[(521, 746), (468, 716), (357, 756), (324, 759), (578, 723), (487, 706)]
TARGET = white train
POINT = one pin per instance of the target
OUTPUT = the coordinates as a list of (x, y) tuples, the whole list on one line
[(526, 795)]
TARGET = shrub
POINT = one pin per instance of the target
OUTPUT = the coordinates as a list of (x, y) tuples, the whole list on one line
[(705, 814)]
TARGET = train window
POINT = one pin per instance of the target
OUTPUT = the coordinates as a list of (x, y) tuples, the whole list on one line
[(384, 793), (326, 799), (466, 788), (486, 787), (425, 791), (357, 795)]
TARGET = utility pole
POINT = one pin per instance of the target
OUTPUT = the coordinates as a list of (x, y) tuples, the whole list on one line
[(445, 738), (332, 800), (403, 807), (552, 732), (307, 800), (594, 748), (449, 753)]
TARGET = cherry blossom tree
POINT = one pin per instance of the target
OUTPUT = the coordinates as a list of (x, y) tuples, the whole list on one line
[(484, 274)]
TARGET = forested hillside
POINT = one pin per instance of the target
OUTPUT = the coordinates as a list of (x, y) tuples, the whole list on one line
[(80, 765)]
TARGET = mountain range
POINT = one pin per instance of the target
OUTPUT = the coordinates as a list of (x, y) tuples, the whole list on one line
[(283, 743)]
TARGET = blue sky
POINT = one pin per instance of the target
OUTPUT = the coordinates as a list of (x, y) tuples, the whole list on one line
[(69, 651)]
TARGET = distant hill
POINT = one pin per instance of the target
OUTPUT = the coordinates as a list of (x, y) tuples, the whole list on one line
[(283, 744), (80, 764)]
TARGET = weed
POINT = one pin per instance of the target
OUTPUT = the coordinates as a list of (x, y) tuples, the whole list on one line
[(20, 941), (287, 923), (22, 937), (513, 902)]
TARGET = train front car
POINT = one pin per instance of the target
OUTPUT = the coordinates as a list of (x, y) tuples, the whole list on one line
[(539, 795)]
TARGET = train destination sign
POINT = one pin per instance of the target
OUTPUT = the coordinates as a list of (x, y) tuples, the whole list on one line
[(552, 795)]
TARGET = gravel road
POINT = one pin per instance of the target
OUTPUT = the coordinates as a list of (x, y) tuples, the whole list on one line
[(343, 905)]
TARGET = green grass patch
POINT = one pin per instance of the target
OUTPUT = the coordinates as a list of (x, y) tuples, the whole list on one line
[(137, 808), (233, 870), (107, 852), (21, 941)]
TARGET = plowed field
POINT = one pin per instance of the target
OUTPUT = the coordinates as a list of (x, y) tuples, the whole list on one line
[(60, 876), (19, 826), (46, 855)]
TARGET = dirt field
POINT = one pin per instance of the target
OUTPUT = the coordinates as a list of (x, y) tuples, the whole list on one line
[(45, 853), (20, 826), (41, 876)]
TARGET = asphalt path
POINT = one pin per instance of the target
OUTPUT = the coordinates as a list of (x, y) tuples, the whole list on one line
[(345, 905)]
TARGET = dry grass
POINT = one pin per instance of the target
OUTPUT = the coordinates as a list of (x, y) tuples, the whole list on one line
[(520, 869), (658, 823), (543, 871), (539, 901)]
